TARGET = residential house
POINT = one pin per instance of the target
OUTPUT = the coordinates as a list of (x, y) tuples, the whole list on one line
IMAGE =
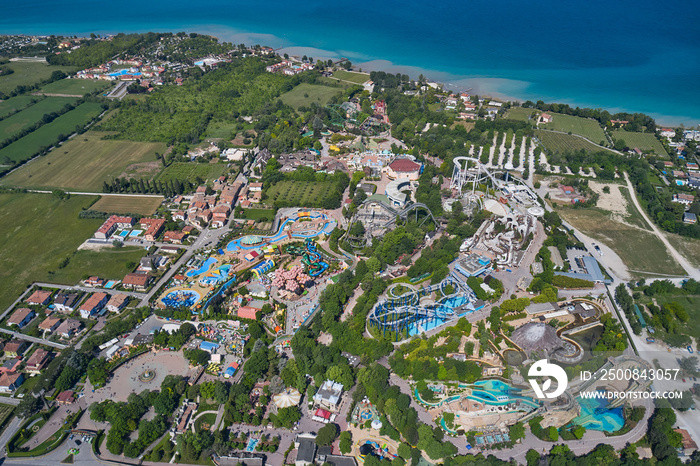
[(39, 298), (65, 301), (16, 348), (668, 164), (546, 118), (180, 215), (111, 224), (689, 218), (38, 361), (688, 445), (93, 304), (679, 174), (117, 302), (10, 365), (69, 327), (255, 187), (174, 237), (95, 281), (49, 324), (21, 317), (668, 132), (204, 216), (66, 397), (683, 198), (10, 382), (153, 227), (136, 281)]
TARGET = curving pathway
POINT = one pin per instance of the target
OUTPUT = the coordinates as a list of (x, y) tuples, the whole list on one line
[(689, 269)]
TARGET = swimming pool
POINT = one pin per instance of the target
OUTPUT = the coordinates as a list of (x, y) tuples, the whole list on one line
[(136, 232), (281, 234), (252, 443), (596, 415), (204, 267), (124, 233), (124, 72), (181, 298)]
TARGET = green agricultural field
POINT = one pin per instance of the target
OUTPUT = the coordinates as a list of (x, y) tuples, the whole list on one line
[(335, 81), (646, 142), (28, 73), (641, 251), (521, 114), (558, 143), (30, 115), (299, 193), (205, 172), (78, 87), (143, 205), (357, 78), (39, 232), (111, 264), (304, 94), (17, 103), (85, 162), (48, 135), (582, 126)]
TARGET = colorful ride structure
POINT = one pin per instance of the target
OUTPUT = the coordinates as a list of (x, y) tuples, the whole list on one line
[(415, 311), (313, 260), (263, 267)]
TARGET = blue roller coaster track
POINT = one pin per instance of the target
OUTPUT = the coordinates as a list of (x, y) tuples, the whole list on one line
[(398, 314)]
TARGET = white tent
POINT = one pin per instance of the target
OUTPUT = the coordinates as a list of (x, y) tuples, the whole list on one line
[(289, 397)]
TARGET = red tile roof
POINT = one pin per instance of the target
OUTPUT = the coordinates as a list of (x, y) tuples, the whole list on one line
[(404, 165)]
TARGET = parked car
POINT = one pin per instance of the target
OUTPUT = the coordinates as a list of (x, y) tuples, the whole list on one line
[(690, 349)]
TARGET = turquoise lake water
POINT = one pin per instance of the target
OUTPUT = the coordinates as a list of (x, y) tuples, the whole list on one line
[(627, 55)]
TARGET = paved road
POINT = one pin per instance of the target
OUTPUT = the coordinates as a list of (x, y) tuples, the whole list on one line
[(690, 270), (41, 341), (84, 193), (88, 289)]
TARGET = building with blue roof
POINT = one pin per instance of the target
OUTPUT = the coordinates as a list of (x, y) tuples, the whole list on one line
[(208, 346)]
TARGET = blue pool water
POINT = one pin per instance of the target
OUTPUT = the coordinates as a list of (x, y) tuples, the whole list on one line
[(252, 443), (110, 284), (281, 234), (217, 276), (136, 232), (595, 415), (124, 233), (205, 266), (181, 298), (123, 72)]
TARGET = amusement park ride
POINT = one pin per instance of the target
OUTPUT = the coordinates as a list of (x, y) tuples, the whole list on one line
[(415, 310)]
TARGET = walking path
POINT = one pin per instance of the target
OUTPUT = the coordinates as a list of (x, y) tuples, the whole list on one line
[(690, 270)]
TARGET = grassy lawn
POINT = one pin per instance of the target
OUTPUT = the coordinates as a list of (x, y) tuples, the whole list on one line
[(41, 230), (561, 143), (75, 86), (298, 193), (17, 103), (692, 305), (208, 420), (191, 171), (468, 125), (641, 251), (521, 113), (30, 115), (646, 142), (634, 216), (128, 205), (304, 94), (220, 129), (48, 135), (84, 163), (107, 263), (688, 247), (358, 78), (582, 126), (344, 84), (28, 73), (259, 214)]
